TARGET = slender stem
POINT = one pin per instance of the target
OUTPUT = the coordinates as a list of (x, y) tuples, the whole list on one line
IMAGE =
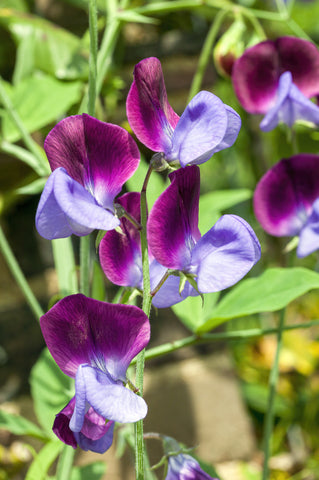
[(65, 463), (93, 57), (213, 337), (19, 276), (206, 53), (161, 282), (273, 378), (146, 306), (85, 265), (42, 164)]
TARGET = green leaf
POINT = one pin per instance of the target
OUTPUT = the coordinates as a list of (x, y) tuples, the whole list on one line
[(93, 471), (38, 101), (43, 461), (50, 390), (211, 204), (54, 50), (256, 396), (133, 16), (192, 313), (65, 265), (20, 426), (271, 291), (98, 284)]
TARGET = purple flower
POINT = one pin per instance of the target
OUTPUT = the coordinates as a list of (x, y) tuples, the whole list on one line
[(90, 161), (277, 78), (206, 126), (94, 342), (120, 253), (216, 261), (185, 467), (286, 201)]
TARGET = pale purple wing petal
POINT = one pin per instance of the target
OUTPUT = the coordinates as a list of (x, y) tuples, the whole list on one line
[(233, 127), (284, 196), (151, 117), (199, 131), (168, 294), (113, 157), (301, 58), (309, 234), (173, 221), (225, 254), (65, 147), (110, 400), (80, 330), (255, 77), (120, 253), (65, 207), (99, 445)]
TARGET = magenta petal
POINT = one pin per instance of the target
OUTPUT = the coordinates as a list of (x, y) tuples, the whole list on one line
[(61, 424), (98, 445), (255, 77), (301, 58), (225, 254), (79, 330), (120, 253), (284, 196), (65, 207), (151, 117), (172, 224), (199, 131)]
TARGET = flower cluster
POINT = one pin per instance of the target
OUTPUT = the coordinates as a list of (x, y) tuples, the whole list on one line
[(92, 341)]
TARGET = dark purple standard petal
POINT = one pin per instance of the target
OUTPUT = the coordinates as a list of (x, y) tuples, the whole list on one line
[(98, 155), (79, 330), (66, 207), (120, 253), (173, 221), (225, 254), (151, 117), (284, 196)]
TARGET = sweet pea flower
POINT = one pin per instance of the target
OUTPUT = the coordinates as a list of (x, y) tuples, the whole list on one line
[(94, 343), (277, 78), (216, 261), (206, 126), (120, 253), (90, 160), (286, 201)]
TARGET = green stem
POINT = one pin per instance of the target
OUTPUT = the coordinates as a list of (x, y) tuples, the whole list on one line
[(85, 265), (93, 57), (146, 307), (65, 463), (192, 340), (19, 276), (273, 379), (42, 167), (206, 54)]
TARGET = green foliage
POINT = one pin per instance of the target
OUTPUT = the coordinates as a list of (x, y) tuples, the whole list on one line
[(50, 390), (93, 471), (193, 313), (39, 100), (271, 291), (20, 426), (43, 460)]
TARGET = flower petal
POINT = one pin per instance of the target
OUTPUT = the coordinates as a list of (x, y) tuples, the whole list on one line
[(255, 77), (109, 399), (65, 208), (100, 445), (79, 330), (185, 467), (309, 235), (291, 105), (225, 254), (61, 424), (172, 225), (284, 196), (199, 131), (120, 253), (169, 295), (151, 117)]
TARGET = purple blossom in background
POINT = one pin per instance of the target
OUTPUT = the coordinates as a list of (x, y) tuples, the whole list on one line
[(206, 126), (286, 201), (185, 467), (90, 161), (94, 342), (277, 78), (217, 260), (120, 253)]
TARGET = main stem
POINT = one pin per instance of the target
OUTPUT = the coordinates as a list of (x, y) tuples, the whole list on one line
[(147, 300)]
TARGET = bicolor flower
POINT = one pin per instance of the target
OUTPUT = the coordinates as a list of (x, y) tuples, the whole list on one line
[(94, 343), (182, 466), (90, 160), (206, 126), (216, 261), (120, 253), (277, 78), (286, 201)]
